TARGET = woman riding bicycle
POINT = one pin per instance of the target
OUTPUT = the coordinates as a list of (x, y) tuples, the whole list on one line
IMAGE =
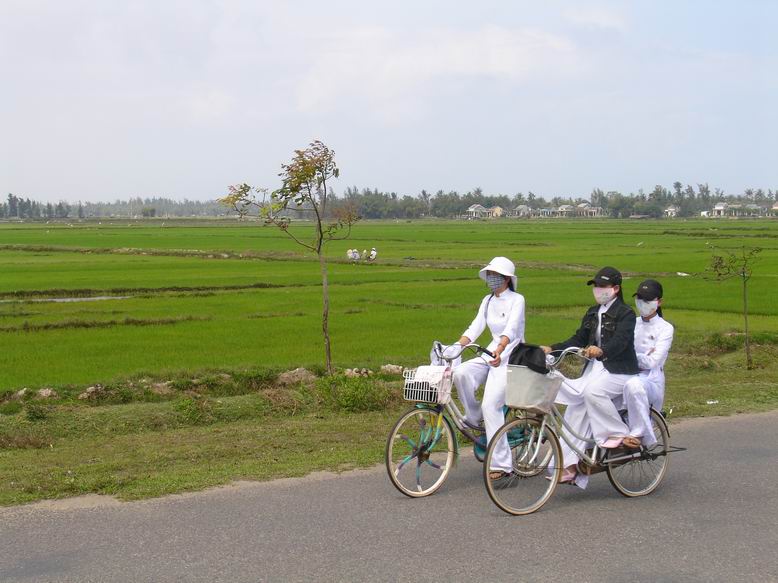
[(653, 339), (607, 332), (502, 311)]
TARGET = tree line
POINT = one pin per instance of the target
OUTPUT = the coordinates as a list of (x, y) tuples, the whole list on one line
[(16, 207), (688, 200), (369, 203)]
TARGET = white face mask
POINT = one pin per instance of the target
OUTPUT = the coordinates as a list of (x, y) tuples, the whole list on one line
[(646, 309), (495, 281), (602, 295)]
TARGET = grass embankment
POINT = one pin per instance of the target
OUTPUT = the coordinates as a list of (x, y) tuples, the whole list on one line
[(145, 437)]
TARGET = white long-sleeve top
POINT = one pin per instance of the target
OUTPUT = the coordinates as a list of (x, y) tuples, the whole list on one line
[(504, 316), (653, 339)]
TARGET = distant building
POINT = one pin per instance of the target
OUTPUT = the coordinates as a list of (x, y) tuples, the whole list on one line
[(720, 210), (585, 209), (774, 210), (495, 211), (671, 212), (566, 210), (521, 211), (476, 211), (751, 210)]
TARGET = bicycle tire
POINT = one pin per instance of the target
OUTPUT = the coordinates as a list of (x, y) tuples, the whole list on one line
[(421, 465), (643, 475), (535, 472)]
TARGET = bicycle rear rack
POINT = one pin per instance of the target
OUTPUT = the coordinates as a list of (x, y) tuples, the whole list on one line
[(641, 454)]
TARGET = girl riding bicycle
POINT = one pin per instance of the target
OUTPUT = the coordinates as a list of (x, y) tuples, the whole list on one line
[(502, 311), (607, 331)]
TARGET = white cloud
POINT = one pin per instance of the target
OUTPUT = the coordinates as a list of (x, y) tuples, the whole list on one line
[(596, 17), (390, 69), (209, 106)]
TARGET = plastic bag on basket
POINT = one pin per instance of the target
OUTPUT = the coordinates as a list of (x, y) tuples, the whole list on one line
[(428, 384)]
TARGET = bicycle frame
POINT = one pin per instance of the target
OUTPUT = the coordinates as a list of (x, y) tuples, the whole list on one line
[(455, 416), (558, 425)]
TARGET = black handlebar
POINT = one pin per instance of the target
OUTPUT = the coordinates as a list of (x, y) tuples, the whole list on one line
[(438, 348), (492, 354)]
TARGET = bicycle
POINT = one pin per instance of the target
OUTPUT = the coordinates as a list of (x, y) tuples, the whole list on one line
[(536, 472), (422, 446)]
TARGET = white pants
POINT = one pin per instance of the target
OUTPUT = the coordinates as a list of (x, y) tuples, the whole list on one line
[(468, 377), (590, 408), (640, 393)]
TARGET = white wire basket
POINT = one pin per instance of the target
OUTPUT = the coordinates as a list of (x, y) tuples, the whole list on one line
[(428, 384), (527, 389)]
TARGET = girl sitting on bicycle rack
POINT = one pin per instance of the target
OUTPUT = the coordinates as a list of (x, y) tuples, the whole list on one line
[(653, 338), (607, 331), (502, 311)]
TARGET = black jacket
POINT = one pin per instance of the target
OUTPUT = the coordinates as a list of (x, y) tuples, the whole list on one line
[(618, 337)]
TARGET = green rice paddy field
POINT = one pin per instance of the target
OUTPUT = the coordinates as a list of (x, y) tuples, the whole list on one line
[(195, 300)]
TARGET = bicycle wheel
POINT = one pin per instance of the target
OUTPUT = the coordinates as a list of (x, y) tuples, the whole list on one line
[(420, 452), (642, 475), (536, 470)]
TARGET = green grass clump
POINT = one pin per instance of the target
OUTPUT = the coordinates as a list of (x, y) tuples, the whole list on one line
[(356, 394), (37, 411), (10, 408)]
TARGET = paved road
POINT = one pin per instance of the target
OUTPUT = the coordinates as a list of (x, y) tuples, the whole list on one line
[(715, 518)]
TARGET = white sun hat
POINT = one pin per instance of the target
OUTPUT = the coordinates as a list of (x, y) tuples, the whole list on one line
[(503, 266)]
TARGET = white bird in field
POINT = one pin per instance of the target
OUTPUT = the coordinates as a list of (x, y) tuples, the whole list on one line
[(640, 244), (373, 254), (682, 274)]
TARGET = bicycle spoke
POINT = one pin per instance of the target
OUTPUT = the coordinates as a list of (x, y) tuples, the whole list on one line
[(408, 440), (405, 461)]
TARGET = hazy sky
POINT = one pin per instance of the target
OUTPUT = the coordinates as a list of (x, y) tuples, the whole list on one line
[(106, 99)]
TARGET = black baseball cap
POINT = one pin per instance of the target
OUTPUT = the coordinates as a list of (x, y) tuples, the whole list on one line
[(648, 290), (606, 276)]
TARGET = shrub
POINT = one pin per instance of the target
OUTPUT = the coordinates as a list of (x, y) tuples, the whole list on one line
[(354, 394), (36, 412), (255, 379), (125, 394), (196, 410), (725, 342)]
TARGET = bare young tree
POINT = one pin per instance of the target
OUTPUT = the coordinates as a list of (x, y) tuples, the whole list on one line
[(304, 191), (728, 263)]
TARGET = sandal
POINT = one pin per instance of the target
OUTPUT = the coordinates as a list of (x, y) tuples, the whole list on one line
[(495, 475), (612, 442), (568, 476), (632, 442)]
